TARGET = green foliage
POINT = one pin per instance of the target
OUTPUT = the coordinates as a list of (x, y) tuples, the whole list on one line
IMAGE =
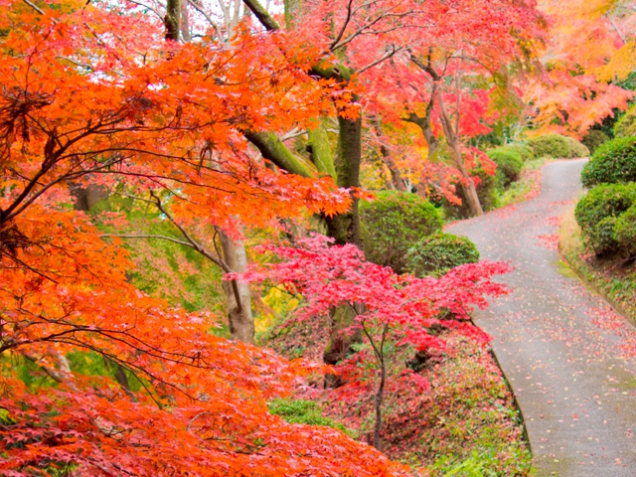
[(474, 466), (439, 253), (392, 223), (304, 412), (613, 162), (625, 231), (509, 165), (164, 269), (577, 149), (597, 214), (554, 146), (594, 139), (626, 125), (525, 152)]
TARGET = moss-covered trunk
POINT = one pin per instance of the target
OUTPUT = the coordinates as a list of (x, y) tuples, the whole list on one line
[(345, 228)]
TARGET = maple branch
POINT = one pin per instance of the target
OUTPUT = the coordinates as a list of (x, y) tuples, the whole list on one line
[(262, 15), (381, 16), (148, 7), (198, 8), (34, 7), (620, 34), (202, 250), (292, 134), (393, 50), (273, 149), (344, 26), (191, 242), (425, 67), (151, 236)]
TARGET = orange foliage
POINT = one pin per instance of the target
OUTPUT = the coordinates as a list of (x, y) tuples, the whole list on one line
[(588, 48), (95, 95)]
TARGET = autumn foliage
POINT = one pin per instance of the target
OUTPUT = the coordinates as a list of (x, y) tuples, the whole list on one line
[(90, 95), (94, 95)]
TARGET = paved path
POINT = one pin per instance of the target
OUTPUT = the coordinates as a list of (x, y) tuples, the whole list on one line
[(563, 349)]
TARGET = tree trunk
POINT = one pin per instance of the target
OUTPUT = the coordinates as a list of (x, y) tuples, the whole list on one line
[(379, 398), (396, 178), (173, 20), (87, 197), (345, 228), (239, 298), (452, 137)]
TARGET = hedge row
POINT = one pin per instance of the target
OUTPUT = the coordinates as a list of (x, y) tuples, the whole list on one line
[(607, 217), (403, 231), (555, 146)]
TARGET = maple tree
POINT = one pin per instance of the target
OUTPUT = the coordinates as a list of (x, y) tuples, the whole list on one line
[(387, 308), (96, 96), (450, 81), (589, 50), (194, 111), (359, 41)]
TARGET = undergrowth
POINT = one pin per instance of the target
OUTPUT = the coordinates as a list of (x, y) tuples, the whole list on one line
[(614, 278), (526, 187)]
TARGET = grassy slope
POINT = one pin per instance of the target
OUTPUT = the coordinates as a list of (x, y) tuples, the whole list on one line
[(612, 278)]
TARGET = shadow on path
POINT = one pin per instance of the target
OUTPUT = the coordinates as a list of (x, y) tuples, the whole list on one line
[(568, 356)]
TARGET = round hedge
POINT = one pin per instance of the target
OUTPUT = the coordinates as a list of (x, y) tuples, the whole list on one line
[(525, 152), (392, 223), (625, 231), (577, 149), (553, 146), (626, 125), (436, 255), (613, 162), (594, 139), (509, 164), (599, 211)]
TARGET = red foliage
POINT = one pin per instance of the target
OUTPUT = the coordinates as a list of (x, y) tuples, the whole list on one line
[(401, 309)]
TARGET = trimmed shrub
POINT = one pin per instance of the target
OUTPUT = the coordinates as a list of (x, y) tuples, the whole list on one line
[(577, 149), (626, 125), (625, 231), (525, 152), (597, 214), (613, 162), (393, 223), (554, 146), (509, 165), (594, 139), (438, 254)]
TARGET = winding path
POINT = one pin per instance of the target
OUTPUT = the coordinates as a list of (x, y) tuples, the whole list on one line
[(565, 352)]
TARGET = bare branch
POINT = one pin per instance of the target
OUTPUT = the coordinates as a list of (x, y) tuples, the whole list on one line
[(392, 51)]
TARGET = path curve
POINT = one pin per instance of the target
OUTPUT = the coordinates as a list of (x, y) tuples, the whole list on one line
[(562, 347)]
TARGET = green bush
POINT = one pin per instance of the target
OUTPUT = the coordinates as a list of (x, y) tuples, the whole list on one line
[(613, 162), (438, 254), (509, 165), (553, 146), (303, 412), (625, 231), (392, 223), (577, 149), (626, 125), (599, 211), (525, 152), (594, 139)]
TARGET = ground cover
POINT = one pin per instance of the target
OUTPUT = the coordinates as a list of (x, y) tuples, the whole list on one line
[(614, 278)]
